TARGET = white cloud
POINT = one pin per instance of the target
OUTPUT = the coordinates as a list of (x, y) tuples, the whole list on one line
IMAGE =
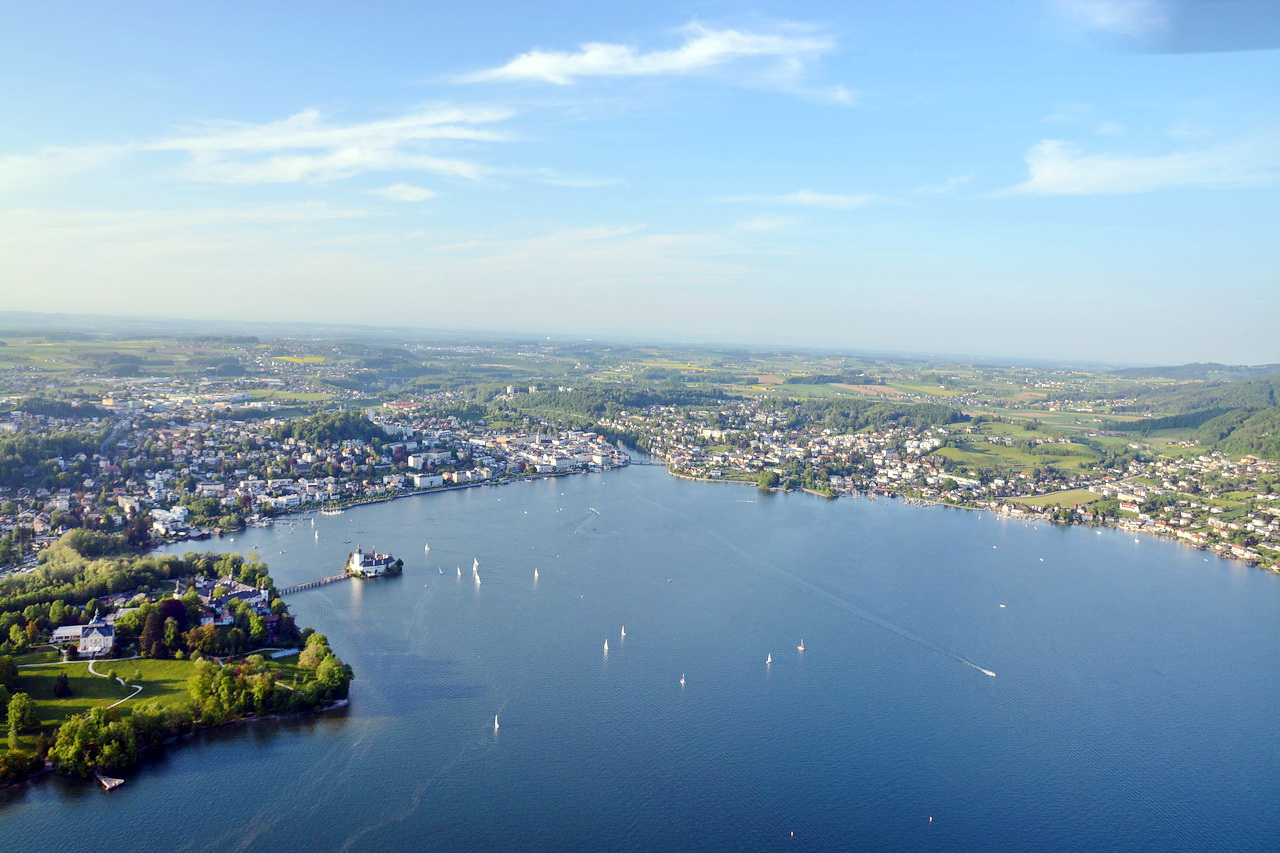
[(307, 147), (1059, 168), (1134, 18), (404, 192), (1109, 128), (808, 198), (24, 171), (789, 53)]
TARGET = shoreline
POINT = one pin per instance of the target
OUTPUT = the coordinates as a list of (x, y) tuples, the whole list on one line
[(46, 768), (999, 511)]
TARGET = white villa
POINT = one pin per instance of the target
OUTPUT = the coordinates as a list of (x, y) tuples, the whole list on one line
[(97, 638)]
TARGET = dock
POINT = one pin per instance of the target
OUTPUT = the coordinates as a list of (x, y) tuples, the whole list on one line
[(299, 587), (108, 783)]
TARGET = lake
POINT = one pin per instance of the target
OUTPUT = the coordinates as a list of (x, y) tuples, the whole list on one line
[(1134, 703)]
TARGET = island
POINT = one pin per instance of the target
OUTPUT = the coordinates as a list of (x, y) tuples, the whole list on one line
[(107, 654)]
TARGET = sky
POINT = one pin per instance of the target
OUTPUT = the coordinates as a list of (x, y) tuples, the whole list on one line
[(1075, 179)]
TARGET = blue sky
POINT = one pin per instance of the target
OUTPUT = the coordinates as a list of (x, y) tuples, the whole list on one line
[(1082, 179)]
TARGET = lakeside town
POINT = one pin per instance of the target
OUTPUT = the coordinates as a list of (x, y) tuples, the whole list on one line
[(170, 458)]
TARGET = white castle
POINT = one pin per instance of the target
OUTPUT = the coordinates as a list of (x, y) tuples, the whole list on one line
[(371, 564)]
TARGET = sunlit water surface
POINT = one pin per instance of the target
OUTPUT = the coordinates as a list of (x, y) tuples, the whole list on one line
[(1134, 705)]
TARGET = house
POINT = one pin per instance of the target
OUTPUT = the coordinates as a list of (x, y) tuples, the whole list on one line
[(96, 639), (66, 634)]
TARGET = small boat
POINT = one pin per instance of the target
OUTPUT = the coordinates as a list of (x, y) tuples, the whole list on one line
[(459, 571), (426, 547), (768, 660), (535, 574), (441, 570), (606, 646), (495, 722), (800, 647), (682, 679), (623, 635)]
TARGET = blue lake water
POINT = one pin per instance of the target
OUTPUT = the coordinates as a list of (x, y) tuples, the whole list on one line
[(1134, 704)]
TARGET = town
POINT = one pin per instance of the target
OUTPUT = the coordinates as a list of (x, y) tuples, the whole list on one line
[(269, 428)]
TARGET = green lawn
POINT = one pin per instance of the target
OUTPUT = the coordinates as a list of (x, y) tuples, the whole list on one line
[(87, 691), (1070, 497), (163, 681)]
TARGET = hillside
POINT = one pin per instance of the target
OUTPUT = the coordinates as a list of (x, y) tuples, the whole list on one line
[(1199, 372)]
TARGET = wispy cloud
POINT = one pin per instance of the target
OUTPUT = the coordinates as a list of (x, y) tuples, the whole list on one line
[(304, 147), (24, 171), (807, 198), (1060, 168), (1133, 18), (307, 147), (404, 192), (788, 53)]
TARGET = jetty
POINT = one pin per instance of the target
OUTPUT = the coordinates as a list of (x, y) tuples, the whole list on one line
[(108, 783), (299, 587)]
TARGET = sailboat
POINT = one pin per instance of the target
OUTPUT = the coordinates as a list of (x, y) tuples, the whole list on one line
[(623, 635), (606, 646), (459, 571), (441, 569), (800, 647), (768, 661), (495, 722), (535, 574), (682, 679), (426, 547)]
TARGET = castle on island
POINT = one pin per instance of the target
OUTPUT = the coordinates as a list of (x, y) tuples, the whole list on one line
[(372, 564)]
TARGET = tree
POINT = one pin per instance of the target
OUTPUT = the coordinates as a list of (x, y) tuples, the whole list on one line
[(8, 672), (22, 716), (769, 479), (152, 633), (172, 638)]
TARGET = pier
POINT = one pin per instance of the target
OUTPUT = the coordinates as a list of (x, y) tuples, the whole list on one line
[(299, 587), (108, 783)]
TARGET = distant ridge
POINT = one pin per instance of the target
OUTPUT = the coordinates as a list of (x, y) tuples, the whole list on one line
[(1202, 371)]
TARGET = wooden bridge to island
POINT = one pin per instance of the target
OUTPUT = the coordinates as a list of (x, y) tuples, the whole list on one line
[(299, 587)]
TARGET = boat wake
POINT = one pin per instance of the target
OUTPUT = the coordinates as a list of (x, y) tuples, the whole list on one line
[(845, 605)]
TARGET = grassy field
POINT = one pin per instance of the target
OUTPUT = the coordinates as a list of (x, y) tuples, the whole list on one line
[(303, 359), (163, 681), (1067, 498), (87, 691)]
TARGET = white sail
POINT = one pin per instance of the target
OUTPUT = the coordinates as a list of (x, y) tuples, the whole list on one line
[(800, 647), (682, 679), (495, 722), (535, 574), (606, 645), (768, 659), (624, 632), (459, 571)]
